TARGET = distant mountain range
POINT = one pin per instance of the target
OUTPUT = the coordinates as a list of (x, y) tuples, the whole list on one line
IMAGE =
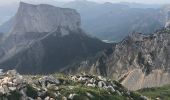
[(114, 21)]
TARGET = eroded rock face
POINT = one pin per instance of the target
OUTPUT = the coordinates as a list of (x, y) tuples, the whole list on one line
[(44, 18), (46, 39), (139, 61), (136, 79)]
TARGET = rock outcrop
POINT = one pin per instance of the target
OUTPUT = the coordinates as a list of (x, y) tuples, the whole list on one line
[(46, 39), (44, 19), (60, 87), (139, 61)]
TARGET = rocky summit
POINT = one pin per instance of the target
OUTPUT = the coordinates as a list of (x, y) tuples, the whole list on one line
[(60, 87), (46, 39), (139, 61), (44, 18)]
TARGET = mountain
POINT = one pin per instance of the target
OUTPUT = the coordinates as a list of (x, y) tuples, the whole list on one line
[(114, 21), (45, 39), (139, 61)]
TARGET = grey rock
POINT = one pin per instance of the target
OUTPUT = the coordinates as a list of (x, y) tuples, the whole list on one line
[(89, 95), (138, 61), (2, 91), (12, 88), (117, 91), (110, 88), (101, 84), (47, 98), (71, 96), (48, 80)]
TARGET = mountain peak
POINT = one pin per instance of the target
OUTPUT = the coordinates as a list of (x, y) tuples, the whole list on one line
[(44, 18)]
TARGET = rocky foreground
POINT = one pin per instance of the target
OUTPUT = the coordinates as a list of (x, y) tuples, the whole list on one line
[(14, 86)]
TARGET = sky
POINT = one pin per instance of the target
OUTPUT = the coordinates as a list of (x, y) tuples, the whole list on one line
[(136, 1)]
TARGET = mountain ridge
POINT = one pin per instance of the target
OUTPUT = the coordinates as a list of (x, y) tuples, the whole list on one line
[(46, 43), (139, 61)]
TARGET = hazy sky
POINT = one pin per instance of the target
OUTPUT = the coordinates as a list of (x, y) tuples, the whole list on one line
[(137, 1)]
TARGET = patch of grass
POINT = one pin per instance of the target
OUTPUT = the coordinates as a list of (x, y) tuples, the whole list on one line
[(98, 94), (31, 92), (161, 92), (14, 96)]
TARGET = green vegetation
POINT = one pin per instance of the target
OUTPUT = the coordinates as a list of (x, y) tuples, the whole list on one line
[(96, 93), (161, 92)]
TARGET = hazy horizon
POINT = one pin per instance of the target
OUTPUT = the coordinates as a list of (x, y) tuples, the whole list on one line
[(100, 1)]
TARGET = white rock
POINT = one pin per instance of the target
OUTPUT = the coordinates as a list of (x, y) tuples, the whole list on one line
[(2, 91), (91, 85), (47, 98), (64, 98), (39, 98), (118, 93), (101, 84), (110, 88), (12, 88), (74, 78), (52, 99), (71, 96), (83, 79), (11, 73), (92, 80), (6, 89), (89, 95)]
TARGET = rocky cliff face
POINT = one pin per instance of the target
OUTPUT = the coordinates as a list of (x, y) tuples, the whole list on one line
[(139, 61), (44, 18), (45, 39)]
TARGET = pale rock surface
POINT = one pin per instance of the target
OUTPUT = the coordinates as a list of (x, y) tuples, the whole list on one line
[(138, 61), (44, 18)]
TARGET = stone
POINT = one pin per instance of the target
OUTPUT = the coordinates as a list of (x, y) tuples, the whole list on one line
[(71, 96), (92, 80), (2, 91), (52, 99), (101, 78), (83, 79), (89, 95), (29, 98), (48, 79), (38, 98), (11, 73), (101, 84), (118, 93), (64, 98), (110, 88), (12, 88), (74, 78), (145, 98), (6, 89), (47, 98), (91, 85), (52, 86)]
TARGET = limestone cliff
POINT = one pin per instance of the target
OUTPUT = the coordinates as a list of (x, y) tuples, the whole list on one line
[(44, 18), (45, 39), (139, 61)]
